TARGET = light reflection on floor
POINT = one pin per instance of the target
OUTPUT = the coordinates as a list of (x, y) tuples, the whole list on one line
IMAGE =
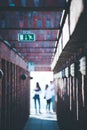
[(44, 116)]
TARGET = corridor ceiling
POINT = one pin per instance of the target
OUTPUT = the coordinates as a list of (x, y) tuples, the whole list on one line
[(39, 17)]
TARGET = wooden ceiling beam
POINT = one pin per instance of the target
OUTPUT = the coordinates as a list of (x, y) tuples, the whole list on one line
[(18, 28), (36, 47), (29, 52), (21, 8)]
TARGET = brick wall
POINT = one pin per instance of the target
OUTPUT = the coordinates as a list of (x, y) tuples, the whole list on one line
[(14, 91)]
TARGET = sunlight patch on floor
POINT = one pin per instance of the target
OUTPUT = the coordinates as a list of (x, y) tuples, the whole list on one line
[(44, 116)]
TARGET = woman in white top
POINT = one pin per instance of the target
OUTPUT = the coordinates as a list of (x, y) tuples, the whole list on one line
[(48, 96), (52, 86), (36, 97)]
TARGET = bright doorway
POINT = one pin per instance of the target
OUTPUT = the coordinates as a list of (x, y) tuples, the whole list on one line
[(43, 78)]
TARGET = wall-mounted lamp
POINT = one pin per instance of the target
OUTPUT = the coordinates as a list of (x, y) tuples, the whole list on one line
[(72, 69), (23, 76), (67, 72), (31, 77), (83, 65)]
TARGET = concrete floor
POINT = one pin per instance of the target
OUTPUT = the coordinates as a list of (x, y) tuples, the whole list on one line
[(44, 121)]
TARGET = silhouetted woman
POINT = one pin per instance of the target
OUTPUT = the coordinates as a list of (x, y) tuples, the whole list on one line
[(37, 92), (48, 97)]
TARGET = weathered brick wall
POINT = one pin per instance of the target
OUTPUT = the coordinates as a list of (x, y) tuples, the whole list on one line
[(14, 91), (9, 55)]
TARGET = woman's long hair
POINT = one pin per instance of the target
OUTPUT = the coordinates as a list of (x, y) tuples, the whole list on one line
[(38, 86), (46, 86)]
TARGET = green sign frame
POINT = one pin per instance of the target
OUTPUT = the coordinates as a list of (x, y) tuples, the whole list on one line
[(26, 37)]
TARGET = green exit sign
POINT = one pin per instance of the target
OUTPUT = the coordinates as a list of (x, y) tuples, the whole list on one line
[(26, 37)]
